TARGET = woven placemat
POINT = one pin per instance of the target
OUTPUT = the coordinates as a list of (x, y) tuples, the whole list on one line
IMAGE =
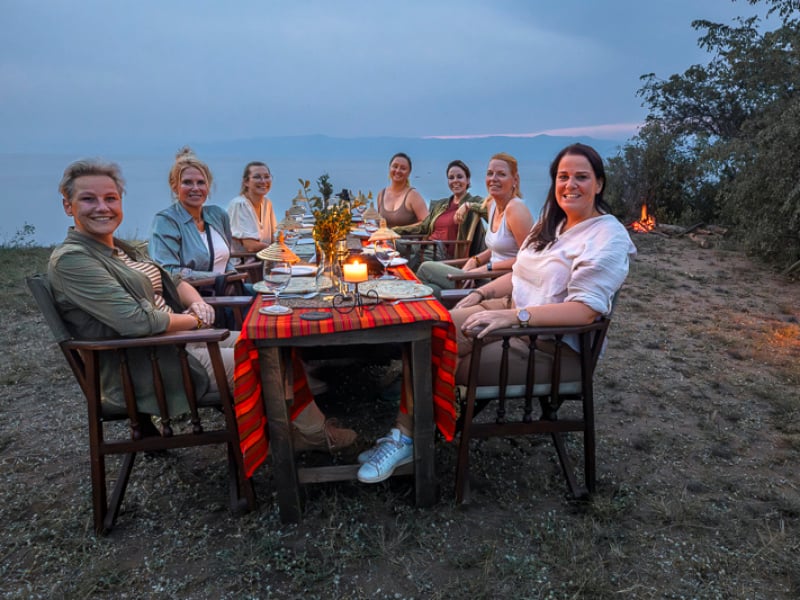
[(322, 300)]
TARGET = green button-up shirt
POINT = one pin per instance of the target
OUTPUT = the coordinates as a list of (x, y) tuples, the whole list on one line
[(99, 296)]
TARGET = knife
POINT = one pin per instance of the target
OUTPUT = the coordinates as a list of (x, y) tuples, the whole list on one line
[(413, 300)]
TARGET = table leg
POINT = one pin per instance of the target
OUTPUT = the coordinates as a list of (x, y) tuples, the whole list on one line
[(274, 363), (422, 390)]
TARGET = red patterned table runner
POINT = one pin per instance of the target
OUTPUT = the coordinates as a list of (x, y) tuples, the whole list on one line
[(249, 407)]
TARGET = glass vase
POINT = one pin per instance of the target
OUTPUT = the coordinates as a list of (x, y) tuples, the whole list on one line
[(327, 279)]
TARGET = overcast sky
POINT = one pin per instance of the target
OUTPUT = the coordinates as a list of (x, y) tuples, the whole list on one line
[(89, 71)]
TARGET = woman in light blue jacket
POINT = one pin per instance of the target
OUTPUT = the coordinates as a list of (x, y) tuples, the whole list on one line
[(189, 238)]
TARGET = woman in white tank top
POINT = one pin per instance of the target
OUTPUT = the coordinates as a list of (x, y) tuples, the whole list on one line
[(509, 224)]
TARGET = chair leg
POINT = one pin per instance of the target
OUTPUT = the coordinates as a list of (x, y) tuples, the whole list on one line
[(462, 470), (589, 459), (462, 467), (242, 492), (119, 491), (567, 467), (99, 505)]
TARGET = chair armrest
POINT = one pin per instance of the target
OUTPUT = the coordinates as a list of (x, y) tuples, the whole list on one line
[(253, 270), (455, 262), (244, 255), (232, 301), (469, 275), (450, 298), (165, 339), (210, 281), (540, 330)]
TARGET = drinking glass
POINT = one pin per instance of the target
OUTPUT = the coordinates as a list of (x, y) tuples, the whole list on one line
[(277, 274), (385, 251)]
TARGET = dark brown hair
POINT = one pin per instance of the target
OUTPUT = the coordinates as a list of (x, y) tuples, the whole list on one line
[(544, 231)]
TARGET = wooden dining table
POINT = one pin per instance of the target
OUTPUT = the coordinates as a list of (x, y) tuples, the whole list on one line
[(270, 387)]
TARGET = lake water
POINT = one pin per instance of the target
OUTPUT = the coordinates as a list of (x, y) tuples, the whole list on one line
[(29, 187)]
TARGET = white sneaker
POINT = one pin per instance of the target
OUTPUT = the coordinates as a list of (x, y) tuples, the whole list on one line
[(364, 456), (388, 454)]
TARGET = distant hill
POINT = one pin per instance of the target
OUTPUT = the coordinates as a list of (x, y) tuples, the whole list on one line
[(541, 147)]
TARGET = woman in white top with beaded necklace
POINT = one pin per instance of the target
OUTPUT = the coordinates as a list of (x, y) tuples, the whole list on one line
[(400, 204), (509, 224), (253, 221)]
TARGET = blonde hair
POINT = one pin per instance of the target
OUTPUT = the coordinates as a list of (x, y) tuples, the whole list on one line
[(514, 166), (87, 167), (184, 159)]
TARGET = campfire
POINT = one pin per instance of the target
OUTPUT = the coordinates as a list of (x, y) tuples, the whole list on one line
[(646, 222), (700, 233)]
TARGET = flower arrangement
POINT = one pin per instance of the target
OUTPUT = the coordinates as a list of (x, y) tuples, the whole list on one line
[(331, 220)]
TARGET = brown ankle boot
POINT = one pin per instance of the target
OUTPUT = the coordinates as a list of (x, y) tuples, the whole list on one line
[(329, 438)]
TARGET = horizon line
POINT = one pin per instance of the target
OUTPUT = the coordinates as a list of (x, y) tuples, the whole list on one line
[(628, 129)]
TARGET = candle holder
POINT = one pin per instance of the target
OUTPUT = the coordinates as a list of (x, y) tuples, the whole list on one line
[(347, 303)]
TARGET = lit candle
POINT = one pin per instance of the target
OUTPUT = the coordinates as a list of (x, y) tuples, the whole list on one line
[(355, 272)]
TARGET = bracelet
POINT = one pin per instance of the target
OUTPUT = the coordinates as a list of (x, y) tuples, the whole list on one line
[(477, 260), (480, 293), (199, 321)]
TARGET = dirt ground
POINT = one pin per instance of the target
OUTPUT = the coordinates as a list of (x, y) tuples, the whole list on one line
[(698, 420)]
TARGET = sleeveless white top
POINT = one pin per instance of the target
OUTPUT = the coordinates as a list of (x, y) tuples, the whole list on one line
[(500, 242)]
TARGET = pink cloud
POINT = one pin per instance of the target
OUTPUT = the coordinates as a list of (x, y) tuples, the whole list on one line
[(610, 131)]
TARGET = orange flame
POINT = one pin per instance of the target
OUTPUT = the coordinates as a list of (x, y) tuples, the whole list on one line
[(646, 223)]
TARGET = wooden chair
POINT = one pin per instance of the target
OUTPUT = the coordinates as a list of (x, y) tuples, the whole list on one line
[(83, 357), (551, 399), (448, 249), (251, 266)]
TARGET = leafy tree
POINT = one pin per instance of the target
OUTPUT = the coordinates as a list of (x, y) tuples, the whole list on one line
[(653, 170), (716, 134), (763, 201)]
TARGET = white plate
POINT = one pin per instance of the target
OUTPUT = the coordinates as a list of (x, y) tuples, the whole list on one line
[(305, 241), (300, 270), (301, 285), (396, 289), (397, 261), (359, 233)]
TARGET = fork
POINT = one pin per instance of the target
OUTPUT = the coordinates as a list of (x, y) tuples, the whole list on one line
[(307, 296)]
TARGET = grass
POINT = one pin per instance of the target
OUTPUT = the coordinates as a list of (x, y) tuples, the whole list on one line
[(698, 493)]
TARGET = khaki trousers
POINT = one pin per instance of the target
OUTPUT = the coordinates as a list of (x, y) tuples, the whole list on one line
[(489, 368)]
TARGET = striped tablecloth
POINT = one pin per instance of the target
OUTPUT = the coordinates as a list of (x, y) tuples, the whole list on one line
[(249, 407)]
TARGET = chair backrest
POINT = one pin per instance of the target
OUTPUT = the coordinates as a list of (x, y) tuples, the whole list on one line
[(40, 288), (590, 338), (476, 236)]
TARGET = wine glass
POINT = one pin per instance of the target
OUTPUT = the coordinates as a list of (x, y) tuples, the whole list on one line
[(385, 252), (277, 274)]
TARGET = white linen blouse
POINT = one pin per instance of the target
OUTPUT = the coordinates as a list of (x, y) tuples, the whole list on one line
[(245, 223), (588, 264)]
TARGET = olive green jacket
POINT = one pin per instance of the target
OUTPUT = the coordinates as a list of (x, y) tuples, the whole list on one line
[(99, 296), (435, 210)]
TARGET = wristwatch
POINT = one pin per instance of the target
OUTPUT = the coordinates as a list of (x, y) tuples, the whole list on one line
[(524, 317), (489, 266)]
